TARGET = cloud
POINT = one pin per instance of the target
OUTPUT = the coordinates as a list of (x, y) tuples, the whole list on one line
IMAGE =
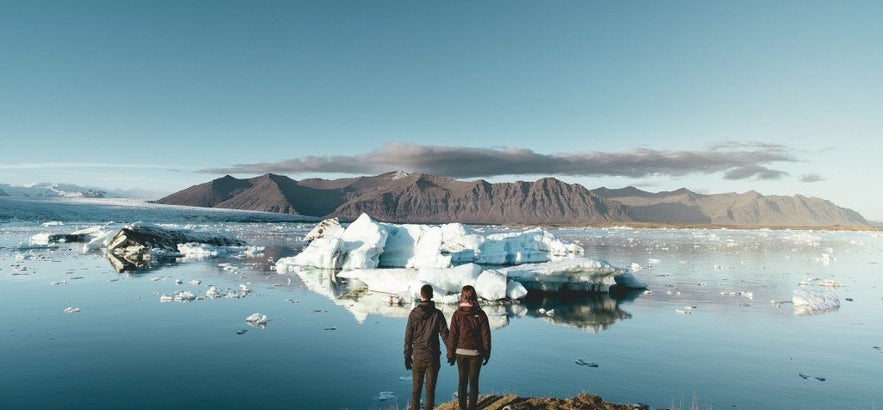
[(736, 160), (811, 178)]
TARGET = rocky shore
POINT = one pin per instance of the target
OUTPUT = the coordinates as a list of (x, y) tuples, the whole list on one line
[(511, 402)]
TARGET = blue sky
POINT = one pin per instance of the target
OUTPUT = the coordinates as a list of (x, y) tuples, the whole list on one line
[(781, 97)]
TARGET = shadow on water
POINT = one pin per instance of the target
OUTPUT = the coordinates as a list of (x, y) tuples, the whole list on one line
[(591, 311)]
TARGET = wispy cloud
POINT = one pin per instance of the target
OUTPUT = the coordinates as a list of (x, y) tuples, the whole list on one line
[(811, 178), (735, 160)]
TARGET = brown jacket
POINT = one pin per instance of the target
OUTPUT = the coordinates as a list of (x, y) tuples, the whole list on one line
[(469, 330)]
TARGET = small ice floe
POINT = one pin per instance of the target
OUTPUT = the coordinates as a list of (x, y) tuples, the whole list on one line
[(746, 295), (63, 282), (648, 292), (635, 267), (156, 279), (195, 282), (543, 311), (582, 362), (829, 283), (292, 300), (256, 319), (214, 292), (71, 310), (180, 296), (406, 379), (684, 311), (812, 302), (386, 395), (179, 282)]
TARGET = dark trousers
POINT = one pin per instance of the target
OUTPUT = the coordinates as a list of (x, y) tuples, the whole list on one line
[(468, 367), (424, 368)]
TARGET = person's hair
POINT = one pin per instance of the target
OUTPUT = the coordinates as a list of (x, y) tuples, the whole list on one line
[(426, 292), (468, 295)]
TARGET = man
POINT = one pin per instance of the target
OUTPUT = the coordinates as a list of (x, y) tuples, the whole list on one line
[(422, 347)]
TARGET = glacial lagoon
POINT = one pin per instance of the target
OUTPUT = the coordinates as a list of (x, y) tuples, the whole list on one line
[(716, 326)]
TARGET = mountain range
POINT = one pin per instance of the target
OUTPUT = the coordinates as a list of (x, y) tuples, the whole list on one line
[(420, 198)]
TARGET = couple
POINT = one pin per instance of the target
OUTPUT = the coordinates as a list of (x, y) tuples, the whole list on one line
[(468, 343)]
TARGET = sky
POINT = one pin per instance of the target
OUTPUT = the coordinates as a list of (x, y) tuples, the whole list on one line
[(781, 97)]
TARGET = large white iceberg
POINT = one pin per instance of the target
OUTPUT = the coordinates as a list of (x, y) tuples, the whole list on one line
[(367, 244), (399, 259)]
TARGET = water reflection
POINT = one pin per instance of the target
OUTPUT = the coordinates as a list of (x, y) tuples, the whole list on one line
[(593, 312)]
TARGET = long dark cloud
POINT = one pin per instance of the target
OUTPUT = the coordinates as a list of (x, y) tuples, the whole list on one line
[(735, 160)]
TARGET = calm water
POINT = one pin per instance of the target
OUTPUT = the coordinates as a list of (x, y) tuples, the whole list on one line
[(328, 347)]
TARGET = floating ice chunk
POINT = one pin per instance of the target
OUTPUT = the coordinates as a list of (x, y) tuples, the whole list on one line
[(195, 282), (451, 280), (811, 301), (635, 267), (214, 292), (515, 290), (256, 319), (577, 274), (180, 296), (532, 246), (71, 310), (52, 223), (654, 261), (386, 395), (829, 283), (491, 285)]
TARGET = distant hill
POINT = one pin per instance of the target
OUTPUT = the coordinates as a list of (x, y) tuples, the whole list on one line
[(420, 198), (750, 208)]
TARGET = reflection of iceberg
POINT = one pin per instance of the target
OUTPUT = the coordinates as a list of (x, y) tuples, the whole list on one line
[(361, 302), (593, 312), (813, 302)]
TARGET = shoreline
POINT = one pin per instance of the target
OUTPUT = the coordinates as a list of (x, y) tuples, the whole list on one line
[(583, 401)]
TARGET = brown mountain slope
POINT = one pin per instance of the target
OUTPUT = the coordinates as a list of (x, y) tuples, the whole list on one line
[(208, 195), (419, 198), (746, 209), (429, 199)]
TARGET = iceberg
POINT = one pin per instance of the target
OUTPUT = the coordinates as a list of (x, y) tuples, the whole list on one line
[(810, 302), (573, 274), (135, 243), (367, 244), (399, 259)]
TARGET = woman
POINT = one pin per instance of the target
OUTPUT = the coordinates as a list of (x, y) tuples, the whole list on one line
[(469, 344)]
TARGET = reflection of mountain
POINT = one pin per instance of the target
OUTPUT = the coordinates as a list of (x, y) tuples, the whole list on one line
[(593, 312)]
